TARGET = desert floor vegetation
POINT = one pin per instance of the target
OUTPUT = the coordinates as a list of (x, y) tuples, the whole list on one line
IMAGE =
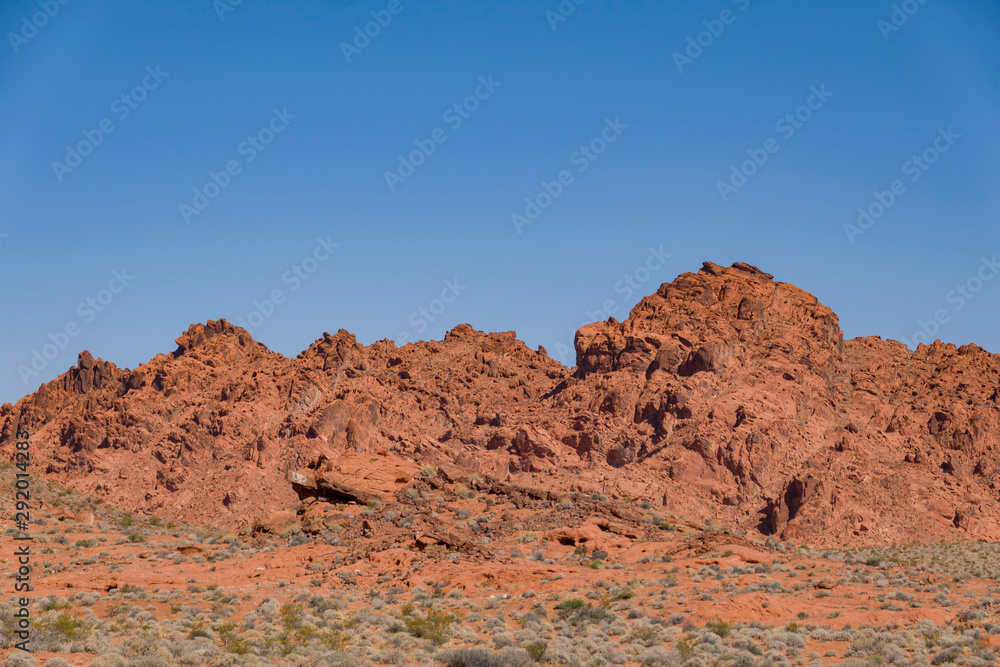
[(114, 589)]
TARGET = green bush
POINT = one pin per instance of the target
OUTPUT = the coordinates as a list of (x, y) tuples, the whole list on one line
[(435, 626), (578, 613), (684, 649), (53, 630), (536, 649), (719, 627), (567, 607)]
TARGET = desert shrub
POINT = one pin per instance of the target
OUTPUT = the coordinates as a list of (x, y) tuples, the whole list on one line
[(967, 615), (582, 614), (140, 645), (50, 602), (198, 629), (684, 649), (567, 607), (19, 659), (646, 635), (591, 650), (134, 590), (55, 630), (89, 599), (238, 647), (291, 616), (434, 626), (655, 656), (536, 649), (320, 604), (947, 655), (148, 661), (484, 657)]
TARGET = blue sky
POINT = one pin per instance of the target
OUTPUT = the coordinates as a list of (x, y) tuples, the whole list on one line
[(641, 126)]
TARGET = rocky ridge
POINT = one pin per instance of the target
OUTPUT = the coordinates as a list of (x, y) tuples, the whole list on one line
[(725, 397)]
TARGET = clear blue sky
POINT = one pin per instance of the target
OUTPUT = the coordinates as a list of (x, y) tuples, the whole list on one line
[(669, 138)]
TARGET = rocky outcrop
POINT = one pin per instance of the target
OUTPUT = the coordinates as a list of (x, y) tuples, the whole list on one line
[(725, 395), (353, 478)]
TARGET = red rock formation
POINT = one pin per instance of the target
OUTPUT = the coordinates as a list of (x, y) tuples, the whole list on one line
[(724, 396)]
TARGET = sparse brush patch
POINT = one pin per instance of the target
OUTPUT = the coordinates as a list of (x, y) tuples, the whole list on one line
[(612, 617), (483, 657)]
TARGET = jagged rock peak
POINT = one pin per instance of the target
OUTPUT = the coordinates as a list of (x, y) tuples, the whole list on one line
[(197, 334), (90, 373)]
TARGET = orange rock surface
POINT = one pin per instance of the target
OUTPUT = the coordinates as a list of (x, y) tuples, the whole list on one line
[(724, 397)]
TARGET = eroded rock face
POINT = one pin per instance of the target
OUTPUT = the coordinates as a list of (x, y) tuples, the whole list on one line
[(724, 395), (354, 478)]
